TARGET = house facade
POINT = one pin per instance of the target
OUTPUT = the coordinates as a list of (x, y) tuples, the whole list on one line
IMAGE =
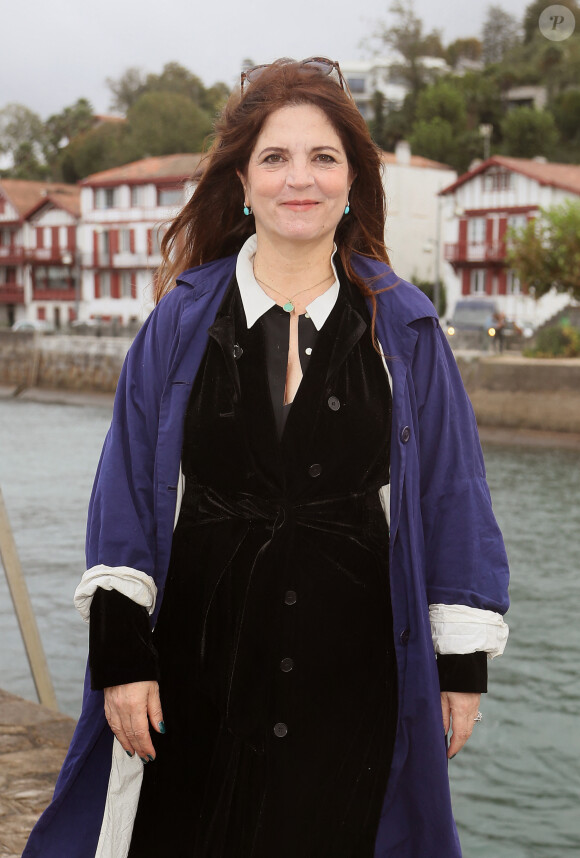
[(480, 208), (413, 224), (38, 234), (123, 212)]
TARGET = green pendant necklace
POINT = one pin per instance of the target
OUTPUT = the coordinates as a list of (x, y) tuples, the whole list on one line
[(289, 306)]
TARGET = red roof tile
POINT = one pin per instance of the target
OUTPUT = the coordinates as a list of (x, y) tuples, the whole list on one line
[(564, 176), (27, 196), (167, 167)]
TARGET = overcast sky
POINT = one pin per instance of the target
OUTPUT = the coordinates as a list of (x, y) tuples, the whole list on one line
[(57, 51)]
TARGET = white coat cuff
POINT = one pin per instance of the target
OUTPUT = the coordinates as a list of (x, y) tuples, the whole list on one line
[(138, 586), (459, 629)]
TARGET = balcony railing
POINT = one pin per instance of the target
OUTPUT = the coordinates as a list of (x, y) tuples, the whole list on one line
[(11, 293), (54, 294), (52, 255), (475, 251), (11, 255)]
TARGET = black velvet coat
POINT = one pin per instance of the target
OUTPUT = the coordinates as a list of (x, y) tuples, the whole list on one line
[(275, 637)]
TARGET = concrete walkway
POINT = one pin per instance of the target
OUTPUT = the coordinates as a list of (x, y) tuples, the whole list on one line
[(33, 743)]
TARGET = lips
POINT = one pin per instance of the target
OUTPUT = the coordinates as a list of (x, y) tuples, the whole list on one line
[(300, 205)]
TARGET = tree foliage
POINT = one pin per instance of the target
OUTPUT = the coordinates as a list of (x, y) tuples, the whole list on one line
[(528, 132), (463, 49), (546, 252), (405, 35), (162, 123), (501, 32)]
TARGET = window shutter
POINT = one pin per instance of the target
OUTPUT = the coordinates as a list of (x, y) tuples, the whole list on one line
[(97, 285)]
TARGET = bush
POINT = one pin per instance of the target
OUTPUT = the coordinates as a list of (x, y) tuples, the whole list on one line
[(556, 341)]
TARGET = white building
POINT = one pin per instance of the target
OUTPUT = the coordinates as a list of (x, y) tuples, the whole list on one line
[(413, 225), (38, 233), (479, 207), (383, 74), (123, 211)]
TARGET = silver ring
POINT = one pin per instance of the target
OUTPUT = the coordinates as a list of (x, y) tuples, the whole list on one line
[(478, 717)]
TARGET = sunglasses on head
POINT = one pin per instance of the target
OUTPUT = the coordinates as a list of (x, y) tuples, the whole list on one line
[(322, 65)]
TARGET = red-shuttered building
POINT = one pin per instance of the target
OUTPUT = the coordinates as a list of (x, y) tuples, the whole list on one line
[(481, 206), (38, 235), (123, 213)]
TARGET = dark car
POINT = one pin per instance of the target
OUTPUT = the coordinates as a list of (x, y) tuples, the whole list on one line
[(472, 324)]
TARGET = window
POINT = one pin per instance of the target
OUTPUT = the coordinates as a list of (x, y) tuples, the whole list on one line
[(169, 196), (105, 198), (517, 221), (104, 239), (476, 230), (513, 284), (356, 84), (127, 279), (52, 277), (105, 284), (124, 241), (477, 281), (137, 195), (497, 180)]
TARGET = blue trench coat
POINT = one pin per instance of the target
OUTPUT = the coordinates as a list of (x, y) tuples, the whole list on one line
[(445, 547)]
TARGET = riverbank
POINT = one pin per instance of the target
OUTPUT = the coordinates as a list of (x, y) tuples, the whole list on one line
[(507, 391), (33, 743)]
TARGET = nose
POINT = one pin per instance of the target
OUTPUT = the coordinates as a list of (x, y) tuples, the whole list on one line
[(300, 174)]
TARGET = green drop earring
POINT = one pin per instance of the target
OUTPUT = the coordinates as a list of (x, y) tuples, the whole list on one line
[(247, 209), (347, 207)]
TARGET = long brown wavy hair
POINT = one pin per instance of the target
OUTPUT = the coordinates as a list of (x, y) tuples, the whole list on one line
[(212, 224)]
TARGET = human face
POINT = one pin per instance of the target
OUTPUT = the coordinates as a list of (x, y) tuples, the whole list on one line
[(298, 178)]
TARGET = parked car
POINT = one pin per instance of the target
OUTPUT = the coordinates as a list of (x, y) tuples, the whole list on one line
[(471, 325)]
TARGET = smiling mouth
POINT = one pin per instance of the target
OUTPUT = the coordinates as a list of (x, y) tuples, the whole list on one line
[(300, 204)]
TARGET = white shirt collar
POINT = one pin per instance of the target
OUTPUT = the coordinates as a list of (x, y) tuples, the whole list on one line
[(256, 302)]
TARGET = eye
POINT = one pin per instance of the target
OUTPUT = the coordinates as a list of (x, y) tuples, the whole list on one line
[(325, 158), (273, 158)]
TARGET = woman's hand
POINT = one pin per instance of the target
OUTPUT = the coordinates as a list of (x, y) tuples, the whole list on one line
[(128, 709), (459, 711)]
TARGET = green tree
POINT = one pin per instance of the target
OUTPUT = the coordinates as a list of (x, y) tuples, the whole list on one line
[(435, 139), (463, 49), (501, 32), (528, 132), (546, 252), (566, 111), (22, 137), (442, 100), (406, 36), (162, 123), (61, 128), (105, 146), (126, 89)]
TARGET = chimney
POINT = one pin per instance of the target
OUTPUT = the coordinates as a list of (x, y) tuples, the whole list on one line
[(403, 153)]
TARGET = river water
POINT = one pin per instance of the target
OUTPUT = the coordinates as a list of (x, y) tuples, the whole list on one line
[(516, 786)]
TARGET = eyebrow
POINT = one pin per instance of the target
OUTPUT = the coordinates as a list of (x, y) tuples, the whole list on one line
[(282, 150)]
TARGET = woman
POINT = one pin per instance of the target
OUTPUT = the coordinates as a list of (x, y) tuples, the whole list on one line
[(335, 558)]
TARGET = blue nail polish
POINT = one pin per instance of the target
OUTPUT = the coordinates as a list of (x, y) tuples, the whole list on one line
[(129, 754), (161, 727), (150, 758), (453, 757), (143, 760)]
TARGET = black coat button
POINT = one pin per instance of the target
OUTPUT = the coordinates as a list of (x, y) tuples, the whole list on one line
[(290, 597), (238, 351), (315, 470), (405, 434), (280, 729), (286, 665), (333, 403), (404, 637)]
